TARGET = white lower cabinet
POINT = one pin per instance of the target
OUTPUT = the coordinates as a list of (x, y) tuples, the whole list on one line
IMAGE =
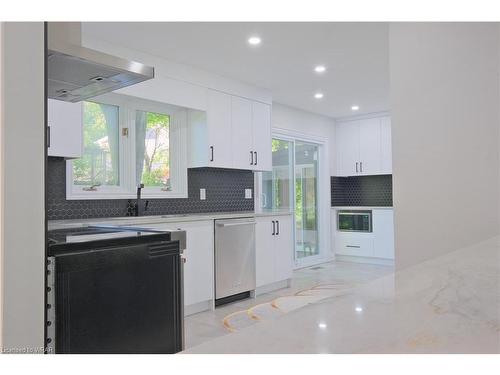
[(198, 268), (355, 244), (377, 244), (274, 249), (383, 226)]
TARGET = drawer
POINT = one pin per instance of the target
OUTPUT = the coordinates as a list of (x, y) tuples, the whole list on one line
[(354, 244)]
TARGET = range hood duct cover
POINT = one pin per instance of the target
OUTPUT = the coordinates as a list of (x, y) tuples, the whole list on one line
[(77, 73)]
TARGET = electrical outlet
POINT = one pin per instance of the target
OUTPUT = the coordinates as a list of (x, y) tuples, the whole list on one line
[(203, 194), (248, 193)]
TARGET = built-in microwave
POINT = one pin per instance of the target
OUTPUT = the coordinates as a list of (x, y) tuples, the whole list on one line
[(354, 220)]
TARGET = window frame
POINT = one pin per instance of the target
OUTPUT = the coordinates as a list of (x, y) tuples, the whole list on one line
[(127, 189)]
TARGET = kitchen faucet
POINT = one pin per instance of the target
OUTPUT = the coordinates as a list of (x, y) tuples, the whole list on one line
[(136, 209)]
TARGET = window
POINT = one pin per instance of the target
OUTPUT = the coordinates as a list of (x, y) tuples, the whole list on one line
[(153, 149), (100, 161), (129, 141)]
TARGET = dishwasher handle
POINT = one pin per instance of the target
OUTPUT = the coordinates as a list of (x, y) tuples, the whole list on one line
[(236, 224)]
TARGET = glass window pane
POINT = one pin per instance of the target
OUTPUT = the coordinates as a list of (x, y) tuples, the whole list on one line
[(276, 185), (153, 149), (99, 164)]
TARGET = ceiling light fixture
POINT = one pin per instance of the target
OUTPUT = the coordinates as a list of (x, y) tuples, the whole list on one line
[(355, 107), (254, 40), (322, 325), (319, 69), (318, 95), (358, 309)]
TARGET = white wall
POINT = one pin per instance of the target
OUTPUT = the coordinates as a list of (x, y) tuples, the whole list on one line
[(22, 203), (445, 125)]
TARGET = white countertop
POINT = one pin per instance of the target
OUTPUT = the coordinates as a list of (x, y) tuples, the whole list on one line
[(362, 208), (141, 220), (449, 304)]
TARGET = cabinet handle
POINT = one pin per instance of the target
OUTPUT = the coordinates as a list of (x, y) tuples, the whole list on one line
[(256, 161), (212, 153), (48, 136), (274, 228), (251, 157), (356, 167), (277, 227), (361, 166), (354, 246)]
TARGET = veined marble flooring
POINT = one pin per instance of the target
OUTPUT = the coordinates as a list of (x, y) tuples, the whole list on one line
[(449, 304), (206, 326)]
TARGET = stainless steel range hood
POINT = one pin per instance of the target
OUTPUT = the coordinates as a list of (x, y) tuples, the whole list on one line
[(76, 73)]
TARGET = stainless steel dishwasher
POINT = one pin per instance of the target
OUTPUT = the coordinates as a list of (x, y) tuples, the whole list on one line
[(234, 259)]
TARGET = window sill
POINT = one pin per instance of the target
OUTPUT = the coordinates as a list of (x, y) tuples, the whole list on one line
[(103, 196)]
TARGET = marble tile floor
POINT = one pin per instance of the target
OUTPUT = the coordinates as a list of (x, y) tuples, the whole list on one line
[(205, 326), (450, 304)]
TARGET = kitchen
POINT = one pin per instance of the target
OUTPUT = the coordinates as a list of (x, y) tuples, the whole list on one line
[(205, 168), (195, 194)]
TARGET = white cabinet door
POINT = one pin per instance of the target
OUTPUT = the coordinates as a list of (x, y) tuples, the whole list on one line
[(264, 251), (241, 123), (383, 229), (261, 127), (347, 142), (65, 122), (219, 129), (385, 145), (283, 248), (369, 146), (198, 269)]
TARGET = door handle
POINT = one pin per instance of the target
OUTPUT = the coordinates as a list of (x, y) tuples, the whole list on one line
[(277, 227), (274, 228), (251, 157), (235, 224), (356, 167), (212, 153)]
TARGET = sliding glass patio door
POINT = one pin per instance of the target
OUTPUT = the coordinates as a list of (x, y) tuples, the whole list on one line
[(293, 185), (306, 200)]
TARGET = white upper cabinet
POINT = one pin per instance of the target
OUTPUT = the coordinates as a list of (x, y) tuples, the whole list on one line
[(386, 145), (363, 147), (242, 143), (65, 121), (347, 142), (261, 127), (369, 147), (219, 151), (233, 133)]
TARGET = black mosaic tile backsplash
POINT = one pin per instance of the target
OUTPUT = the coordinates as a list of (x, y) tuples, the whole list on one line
[(362, 191), (225, 191)]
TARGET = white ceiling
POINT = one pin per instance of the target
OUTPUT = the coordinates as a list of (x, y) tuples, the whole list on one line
[(355, 54)]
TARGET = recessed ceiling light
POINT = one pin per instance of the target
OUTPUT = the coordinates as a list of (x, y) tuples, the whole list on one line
[(319, 69), (318, 95), (358, 309), (254, 40), (322, 325), (355, 107)]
